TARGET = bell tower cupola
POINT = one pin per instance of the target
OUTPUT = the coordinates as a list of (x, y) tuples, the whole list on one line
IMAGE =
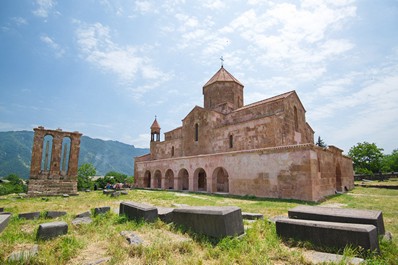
[(155, 131), (223, 92)]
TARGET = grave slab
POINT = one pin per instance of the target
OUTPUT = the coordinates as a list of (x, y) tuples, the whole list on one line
[(55, 214), (24, 255), (82, 220), (165, 214), (252, 216), (212, 221), (329, 234), (51, 230), (321, 258), (138, 211), (115, 194), (85, 214), (30, 216), (4, 220), (101, 210), (341, 215)]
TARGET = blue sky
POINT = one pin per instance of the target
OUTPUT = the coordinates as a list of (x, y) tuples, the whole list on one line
[(106, 68)]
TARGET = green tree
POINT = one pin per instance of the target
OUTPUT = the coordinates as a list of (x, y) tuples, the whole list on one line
[(389, 163), (15, 185), (118, 177), (84, 173), (320, 142), (366, 157)]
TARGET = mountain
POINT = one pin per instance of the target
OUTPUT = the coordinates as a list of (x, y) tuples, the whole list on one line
[(16, 153)]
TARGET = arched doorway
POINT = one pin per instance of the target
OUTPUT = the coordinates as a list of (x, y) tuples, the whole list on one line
[(200, 177), (158, 179), (147, 179), (338, 178), (184, 179), (169, 183), (220, 180)]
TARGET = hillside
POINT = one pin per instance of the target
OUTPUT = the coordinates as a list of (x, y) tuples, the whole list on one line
[(16, 152)]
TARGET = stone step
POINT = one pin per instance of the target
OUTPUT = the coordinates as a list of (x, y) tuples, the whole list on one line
[(341, 215), (329, 234)]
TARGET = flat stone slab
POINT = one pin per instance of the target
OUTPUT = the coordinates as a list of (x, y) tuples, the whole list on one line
[(101, 210), (85, 214), (132, 238), (107, 192), (124, 192), (138, 211), (82, 220), (115, 194), (329, 234), (51, 230), (212, 221), (55, 214), (29, 216), (341, 215), (321, 258), (165, 214), (252, 216), (23, 255), (4, 220)]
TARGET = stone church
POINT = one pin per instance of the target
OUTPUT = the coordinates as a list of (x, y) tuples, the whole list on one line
[(265, 149)]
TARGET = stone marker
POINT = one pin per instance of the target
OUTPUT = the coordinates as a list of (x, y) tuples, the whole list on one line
[(115, 194), (85, 214), (321, 258), (107, 192), (329, 234), (165, 214), (55, 214), (30, 216), (212, 221), (138, 211), (101, 210), (252, 216), (82, 220), (124, 192), (329, 214), (24, 255), (132, 238), (51, 230), (4, 220)]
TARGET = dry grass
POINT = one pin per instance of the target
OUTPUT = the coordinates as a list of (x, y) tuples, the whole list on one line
[(163, 244)]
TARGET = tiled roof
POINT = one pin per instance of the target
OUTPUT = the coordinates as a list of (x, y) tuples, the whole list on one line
[(222, 76), (155, 125), (284, 95)]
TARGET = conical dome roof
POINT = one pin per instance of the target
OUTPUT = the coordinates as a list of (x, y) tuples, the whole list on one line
[(222, 76), (155, 126)]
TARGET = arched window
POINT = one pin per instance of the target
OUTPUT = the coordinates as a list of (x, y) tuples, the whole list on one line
[(172, 151), (295, 119), (196, 132), (231, 141), (65, 154), (47, 153)]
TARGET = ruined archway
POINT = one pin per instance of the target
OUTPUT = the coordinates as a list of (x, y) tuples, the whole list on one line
[(338, 178), (184, 179), (169, 180), (157, 179), (46, 156), (147, 179), (65, 156), (200, 178), (220, 180)]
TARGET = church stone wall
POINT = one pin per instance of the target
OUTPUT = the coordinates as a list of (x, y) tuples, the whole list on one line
[(54, 180)]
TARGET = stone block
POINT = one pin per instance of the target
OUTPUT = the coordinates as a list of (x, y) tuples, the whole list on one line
[(212, 221), (1, 209), (82, 220), (107, 192), (252, 216), (101, 210), (30, 216), (115, 194), (329, 214), (51, 230), (4, 220), (85, 214), (138, 211), (165, 214), (124, 192), (23, 255), (131, 238), (329, 234), (55, 214)]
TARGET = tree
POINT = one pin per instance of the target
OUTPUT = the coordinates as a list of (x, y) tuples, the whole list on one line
[(389, 163), (15, 185), (84, 173), (366, 157), (320, 142), (118, 177)]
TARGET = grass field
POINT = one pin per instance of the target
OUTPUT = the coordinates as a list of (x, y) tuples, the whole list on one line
[(164, 244)]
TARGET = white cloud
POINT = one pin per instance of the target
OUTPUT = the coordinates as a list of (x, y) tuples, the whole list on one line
[(20, 21), (144, 7), (44, 8), (59, 51), (127, 62), (214, 4)]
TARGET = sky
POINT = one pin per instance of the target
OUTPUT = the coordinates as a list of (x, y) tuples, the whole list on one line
[(106, 68)]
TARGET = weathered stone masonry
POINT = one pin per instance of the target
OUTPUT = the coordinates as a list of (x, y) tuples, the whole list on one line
[(264, 149), (54, 164)]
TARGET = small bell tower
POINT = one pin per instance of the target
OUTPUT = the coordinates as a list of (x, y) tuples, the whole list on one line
[(155, 131)]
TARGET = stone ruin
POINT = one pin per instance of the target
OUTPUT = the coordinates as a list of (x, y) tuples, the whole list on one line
[(54, 163)]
